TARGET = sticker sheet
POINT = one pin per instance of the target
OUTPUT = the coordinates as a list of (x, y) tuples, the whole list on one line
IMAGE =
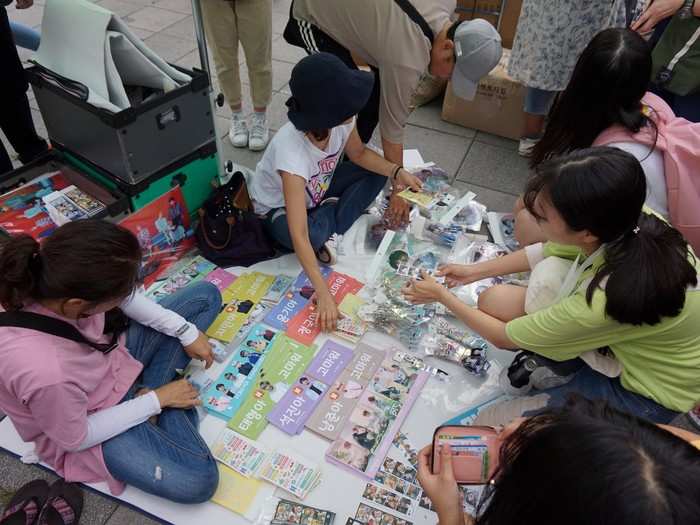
[(289, 306), (303, 326), (388, 499), (293, 513), (226, 394), (374, 516), (290, 472), (335, 408), (297, 405), (278, 288), (350, 326), (238, 453), (283, 365), (367, 436), (190, 271), (221, 279), (246, 292)]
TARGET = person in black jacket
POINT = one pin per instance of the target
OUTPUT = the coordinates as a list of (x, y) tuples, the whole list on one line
[(15, 114)]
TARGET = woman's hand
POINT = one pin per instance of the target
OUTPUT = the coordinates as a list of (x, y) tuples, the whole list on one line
[(441, 487), (200, 349), (425, 290), (457, 274), (327, 313), (178, 394), (655, 13), (406, 178)]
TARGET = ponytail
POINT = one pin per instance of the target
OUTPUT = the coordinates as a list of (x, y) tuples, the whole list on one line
[(632, 119), (648, 272), (93, 260), (19, 266), (601, 190)]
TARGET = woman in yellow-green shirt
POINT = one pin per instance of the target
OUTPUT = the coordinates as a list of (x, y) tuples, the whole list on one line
[(638, 297)]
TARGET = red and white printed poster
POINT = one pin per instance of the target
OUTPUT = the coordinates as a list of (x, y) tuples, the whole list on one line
[(164, 233)]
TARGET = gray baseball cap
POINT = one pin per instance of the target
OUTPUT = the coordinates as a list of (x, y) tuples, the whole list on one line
[(477, 51)]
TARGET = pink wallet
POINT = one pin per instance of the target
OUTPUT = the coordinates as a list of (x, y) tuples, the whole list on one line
[(475, 451)]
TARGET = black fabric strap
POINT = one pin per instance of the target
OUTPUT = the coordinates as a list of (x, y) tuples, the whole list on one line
[(416, 17), (53, 326)]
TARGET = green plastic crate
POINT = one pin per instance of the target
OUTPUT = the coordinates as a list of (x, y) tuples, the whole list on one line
[(193, 174)]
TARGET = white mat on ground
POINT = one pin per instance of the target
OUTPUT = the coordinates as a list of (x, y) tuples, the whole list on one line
[(339, 491)]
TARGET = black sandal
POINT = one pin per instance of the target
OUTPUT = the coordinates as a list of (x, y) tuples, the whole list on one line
[(63, 506), (26, 504)]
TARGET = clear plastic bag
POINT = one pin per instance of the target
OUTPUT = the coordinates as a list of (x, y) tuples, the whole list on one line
[(471, 217), (467, 251), (394, 317), (442, 235), (502, 228), (434, 179), (472, 359)]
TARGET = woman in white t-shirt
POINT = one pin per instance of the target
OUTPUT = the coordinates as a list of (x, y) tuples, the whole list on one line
[(302, 187), (606, 90)]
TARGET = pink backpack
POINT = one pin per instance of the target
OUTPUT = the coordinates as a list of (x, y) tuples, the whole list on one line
[(679, 141)]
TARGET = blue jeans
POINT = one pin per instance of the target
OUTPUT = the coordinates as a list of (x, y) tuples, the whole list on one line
[(169, 459), (25, 36), (538, 101), (355, 187), (594, 385)]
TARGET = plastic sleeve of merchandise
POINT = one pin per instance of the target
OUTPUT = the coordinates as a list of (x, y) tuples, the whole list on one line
[(267, 511)]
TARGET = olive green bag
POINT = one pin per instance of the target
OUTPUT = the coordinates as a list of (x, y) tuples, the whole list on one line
[(676, 57)]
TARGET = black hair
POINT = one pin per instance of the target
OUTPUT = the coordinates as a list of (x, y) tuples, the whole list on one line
[(606, 87), (453, 29), (93, 260), (647, 265), (319, 134), (589, 463)]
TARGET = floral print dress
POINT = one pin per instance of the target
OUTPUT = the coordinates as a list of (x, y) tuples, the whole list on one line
[(552, 34)]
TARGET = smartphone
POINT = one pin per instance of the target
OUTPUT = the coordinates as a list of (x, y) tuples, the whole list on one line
[(475, 451)]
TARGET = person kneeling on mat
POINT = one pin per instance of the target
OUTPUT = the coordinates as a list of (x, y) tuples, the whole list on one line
[(302, 188), (635, 291), (584, 464), (84, 385)]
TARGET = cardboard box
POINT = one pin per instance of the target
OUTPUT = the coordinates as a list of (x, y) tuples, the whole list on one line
[(488, 10), (497, 107)]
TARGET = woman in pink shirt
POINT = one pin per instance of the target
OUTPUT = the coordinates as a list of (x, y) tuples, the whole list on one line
[(101, 411)]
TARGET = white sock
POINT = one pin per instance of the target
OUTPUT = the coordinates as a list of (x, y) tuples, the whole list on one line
[(260, 114)]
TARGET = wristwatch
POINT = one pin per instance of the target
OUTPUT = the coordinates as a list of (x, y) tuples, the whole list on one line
[(687, 10)]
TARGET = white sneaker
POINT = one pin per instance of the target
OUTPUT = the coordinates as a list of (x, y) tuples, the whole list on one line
[(259, 132), (336, 241), (525, 146), (238, 134), (330, 200), (328, 253)]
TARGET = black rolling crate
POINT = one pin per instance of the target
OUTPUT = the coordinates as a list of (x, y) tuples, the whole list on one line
[(137, 143)]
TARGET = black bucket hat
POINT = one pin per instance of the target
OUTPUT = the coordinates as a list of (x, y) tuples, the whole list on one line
[(326, 92)]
